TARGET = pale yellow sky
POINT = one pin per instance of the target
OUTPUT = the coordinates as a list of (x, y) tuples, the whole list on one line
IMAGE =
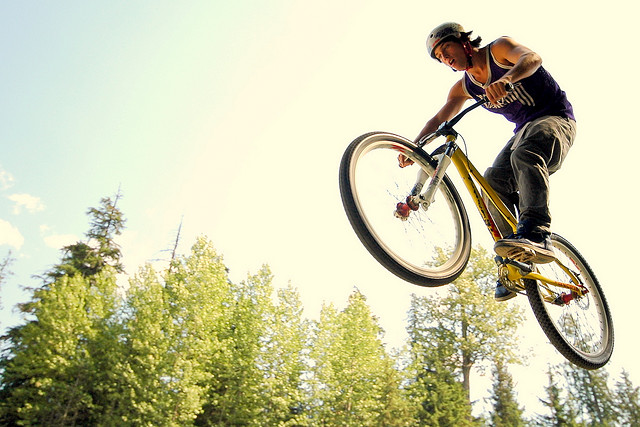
[(235, 118)]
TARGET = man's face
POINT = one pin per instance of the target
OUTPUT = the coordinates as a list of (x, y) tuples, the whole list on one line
[(451, 53)]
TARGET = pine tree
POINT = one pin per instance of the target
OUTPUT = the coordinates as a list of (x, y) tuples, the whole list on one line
[(55, 361), (562, 410), (235, 382), (159, 372), (100, 250), (590, 391), (350, 366), (284, 361), (506, 411), (200, 303), (627, 401), (4, 270), (396, 407), (436, 394)]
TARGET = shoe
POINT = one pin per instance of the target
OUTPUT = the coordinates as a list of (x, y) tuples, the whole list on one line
[(526, 247), (502, 293)]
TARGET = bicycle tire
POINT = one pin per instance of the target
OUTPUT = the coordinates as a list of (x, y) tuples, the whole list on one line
[(582, 330), (438, 240)]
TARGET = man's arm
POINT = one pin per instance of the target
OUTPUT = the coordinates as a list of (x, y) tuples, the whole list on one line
[(525, 62), (455, 101)]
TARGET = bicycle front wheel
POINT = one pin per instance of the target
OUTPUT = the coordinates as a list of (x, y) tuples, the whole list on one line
[(430, 248), (579, 327)]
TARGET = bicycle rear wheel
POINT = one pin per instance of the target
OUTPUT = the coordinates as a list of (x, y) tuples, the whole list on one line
[(580, 328), (432, 247)]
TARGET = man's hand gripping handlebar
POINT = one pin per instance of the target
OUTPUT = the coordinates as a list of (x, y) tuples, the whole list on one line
[(404, 161)]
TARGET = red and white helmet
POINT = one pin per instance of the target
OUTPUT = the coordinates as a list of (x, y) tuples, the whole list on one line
[(442, 33)]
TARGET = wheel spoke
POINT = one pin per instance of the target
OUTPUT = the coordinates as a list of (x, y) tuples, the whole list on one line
[(578, 325)]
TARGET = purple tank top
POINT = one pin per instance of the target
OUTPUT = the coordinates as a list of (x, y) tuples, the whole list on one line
[(535, 96)]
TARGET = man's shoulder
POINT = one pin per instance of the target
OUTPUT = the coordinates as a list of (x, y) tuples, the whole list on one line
[(504, 42)]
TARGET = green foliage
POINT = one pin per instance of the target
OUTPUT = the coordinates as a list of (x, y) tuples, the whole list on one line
[(467, 326), (627, 398), (506, 411), (436, 395), (4, 270), (590, 391), (186, 346), (100, 250), (562, 410), (55, 363), (351, 368), (236, 376), (283, 361), (57, 366)]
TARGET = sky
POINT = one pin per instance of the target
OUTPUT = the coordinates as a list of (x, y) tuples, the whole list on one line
[(231, 118)]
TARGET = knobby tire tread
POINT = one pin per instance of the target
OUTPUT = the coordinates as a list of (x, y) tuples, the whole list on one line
[(549, 328)]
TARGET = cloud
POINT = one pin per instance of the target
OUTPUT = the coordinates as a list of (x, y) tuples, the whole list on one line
[(9, 235), (6, 179), (26, 201), (58, 241)]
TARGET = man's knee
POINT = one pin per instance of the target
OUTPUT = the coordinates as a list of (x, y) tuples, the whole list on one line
[(497, 178)]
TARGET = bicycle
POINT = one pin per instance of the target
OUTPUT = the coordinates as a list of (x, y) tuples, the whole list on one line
[(426, 239)]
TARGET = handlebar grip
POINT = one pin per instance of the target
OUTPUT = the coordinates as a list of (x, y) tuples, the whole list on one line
[(427, 139)]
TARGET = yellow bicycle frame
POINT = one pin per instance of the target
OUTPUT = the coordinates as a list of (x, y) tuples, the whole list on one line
[(472, 179)]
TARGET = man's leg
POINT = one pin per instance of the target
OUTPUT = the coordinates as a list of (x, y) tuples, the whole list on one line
[(539, 153), (501, 179)]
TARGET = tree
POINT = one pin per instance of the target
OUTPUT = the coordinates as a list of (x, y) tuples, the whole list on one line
[(350, 367), (467, 326), (4, 270), (627, 401), (284, 361), (590, 391), (100, 250), (243, 400), (506, 411), (200, 301), (435, 392), (160, 373), (4, 267), (563, 412), (54, 363)]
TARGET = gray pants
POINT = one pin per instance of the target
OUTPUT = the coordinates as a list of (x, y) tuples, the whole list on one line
[(520, 173)]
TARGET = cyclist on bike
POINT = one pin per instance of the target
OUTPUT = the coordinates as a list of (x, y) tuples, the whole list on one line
[(544, 131)]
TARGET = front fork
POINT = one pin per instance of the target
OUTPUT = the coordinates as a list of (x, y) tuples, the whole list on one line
[(423, 199)]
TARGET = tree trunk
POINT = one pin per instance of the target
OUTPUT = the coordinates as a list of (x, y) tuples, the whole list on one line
[(466, 363)]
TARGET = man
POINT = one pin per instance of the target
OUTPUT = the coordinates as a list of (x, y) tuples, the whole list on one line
[(544, 131)]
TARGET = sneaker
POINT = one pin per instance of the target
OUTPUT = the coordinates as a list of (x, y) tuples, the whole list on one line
[(526, 247), (502, 293)]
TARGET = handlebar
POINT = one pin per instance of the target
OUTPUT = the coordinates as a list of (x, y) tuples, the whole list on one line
[(447, 127)]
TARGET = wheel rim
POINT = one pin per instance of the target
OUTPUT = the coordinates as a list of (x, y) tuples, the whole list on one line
[(430, 243), (583, 323)]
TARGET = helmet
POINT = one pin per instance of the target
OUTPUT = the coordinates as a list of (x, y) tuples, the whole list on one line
[(441, 33)]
